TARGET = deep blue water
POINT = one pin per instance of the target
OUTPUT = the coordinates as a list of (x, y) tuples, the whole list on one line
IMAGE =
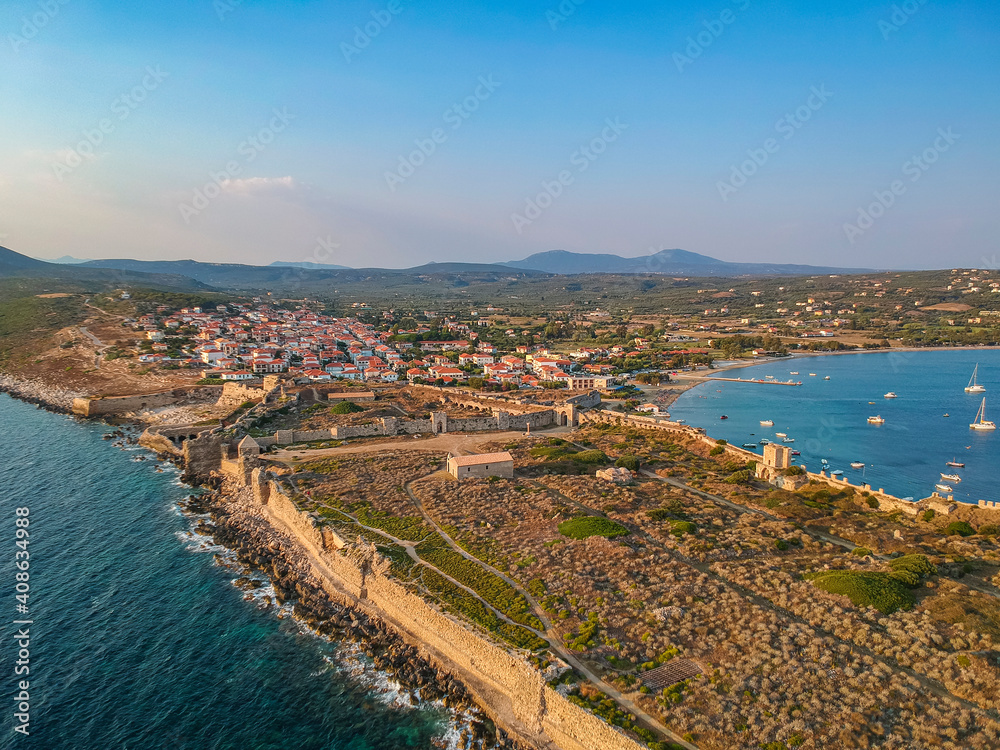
[(138, 640), (828, 418)]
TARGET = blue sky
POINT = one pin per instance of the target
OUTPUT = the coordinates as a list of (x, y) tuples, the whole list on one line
[(257, 131)]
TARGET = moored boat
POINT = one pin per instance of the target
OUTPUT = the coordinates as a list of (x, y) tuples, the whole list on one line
[(767, 423), (750, 446), (956, 464), (891, 394), (951, 477), (973, 386), (787, 440), (982, 423), (876, 420), (857, 465), (943, 488)]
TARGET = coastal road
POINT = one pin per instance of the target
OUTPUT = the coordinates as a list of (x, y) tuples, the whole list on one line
[(98, 344)]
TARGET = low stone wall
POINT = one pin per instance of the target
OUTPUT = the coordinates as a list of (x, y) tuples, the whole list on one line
[(236, 394), (512, 691)]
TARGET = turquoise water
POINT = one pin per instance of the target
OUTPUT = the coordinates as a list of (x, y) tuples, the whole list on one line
[(140, 641), (828, 418)]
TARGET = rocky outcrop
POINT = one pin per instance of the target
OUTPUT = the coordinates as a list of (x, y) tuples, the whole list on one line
[(36, 392)]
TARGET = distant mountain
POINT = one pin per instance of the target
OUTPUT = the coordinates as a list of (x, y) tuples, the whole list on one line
[(670, 262), (16, 265), (310, 265), (68, 260)]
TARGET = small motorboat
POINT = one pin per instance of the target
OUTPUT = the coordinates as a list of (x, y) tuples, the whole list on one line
[(767, 423), (794, 372), (824, 461), (943, 488), (891, 394), (947, 415), (724, 417), (857, 465), (876, 420), (787, 440), (837, 473), (951, 477), (812, 374), (827, 377), (795, 453), (954, 463), (750, 446)]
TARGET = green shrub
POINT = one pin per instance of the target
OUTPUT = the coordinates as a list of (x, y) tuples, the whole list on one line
[(346, 407), (872, 502), (794, 471), (587, 526), (722, 442), (717, 451), (928, 515), (989, 529), (658, 514), (628, 462), (780, 544), (962, 528), (590, 457), (910, 569), (861, 552), (865, 589), (680, 528), (739, 477)]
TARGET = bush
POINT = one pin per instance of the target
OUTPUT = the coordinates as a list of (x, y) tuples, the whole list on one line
[(928, 515), (717, 451), (739, 477), (961, 528), (680, 528), (722, 442), (861, 552), (591, 457), (780, 544), (872, 502), (587, 526), (865, 589), (794, 471), (989, 529), (910, 569), (346, 407), (628, 462)]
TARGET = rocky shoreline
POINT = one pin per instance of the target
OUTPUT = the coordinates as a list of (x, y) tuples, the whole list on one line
[(34, 391), (236, 526)]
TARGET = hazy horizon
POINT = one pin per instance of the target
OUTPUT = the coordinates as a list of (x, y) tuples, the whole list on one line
[(386, 134)]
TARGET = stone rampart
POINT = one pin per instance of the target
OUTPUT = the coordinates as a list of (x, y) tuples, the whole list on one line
[(236, 394), (511, 690), (108, 405)]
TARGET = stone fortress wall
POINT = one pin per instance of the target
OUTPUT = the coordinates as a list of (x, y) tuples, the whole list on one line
[(511, 690)]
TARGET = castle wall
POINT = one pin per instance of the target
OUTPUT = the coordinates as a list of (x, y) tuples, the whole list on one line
[(511, 689), (107, 405)]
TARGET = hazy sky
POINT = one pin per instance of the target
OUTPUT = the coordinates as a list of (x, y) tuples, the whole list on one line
[(395, 133)]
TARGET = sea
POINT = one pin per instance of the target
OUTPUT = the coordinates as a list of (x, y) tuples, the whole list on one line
[(137, 637), (926, 425)]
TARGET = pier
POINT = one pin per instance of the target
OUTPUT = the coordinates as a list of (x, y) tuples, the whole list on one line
[(761, 381)]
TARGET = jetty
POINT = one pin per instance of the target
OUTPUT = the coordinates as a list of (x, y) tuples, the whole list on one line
[(761, 381)]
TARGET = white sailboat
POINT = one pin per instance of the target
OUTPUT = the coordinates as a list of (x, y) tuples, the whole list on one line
[(973, 386), (982, 423)]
